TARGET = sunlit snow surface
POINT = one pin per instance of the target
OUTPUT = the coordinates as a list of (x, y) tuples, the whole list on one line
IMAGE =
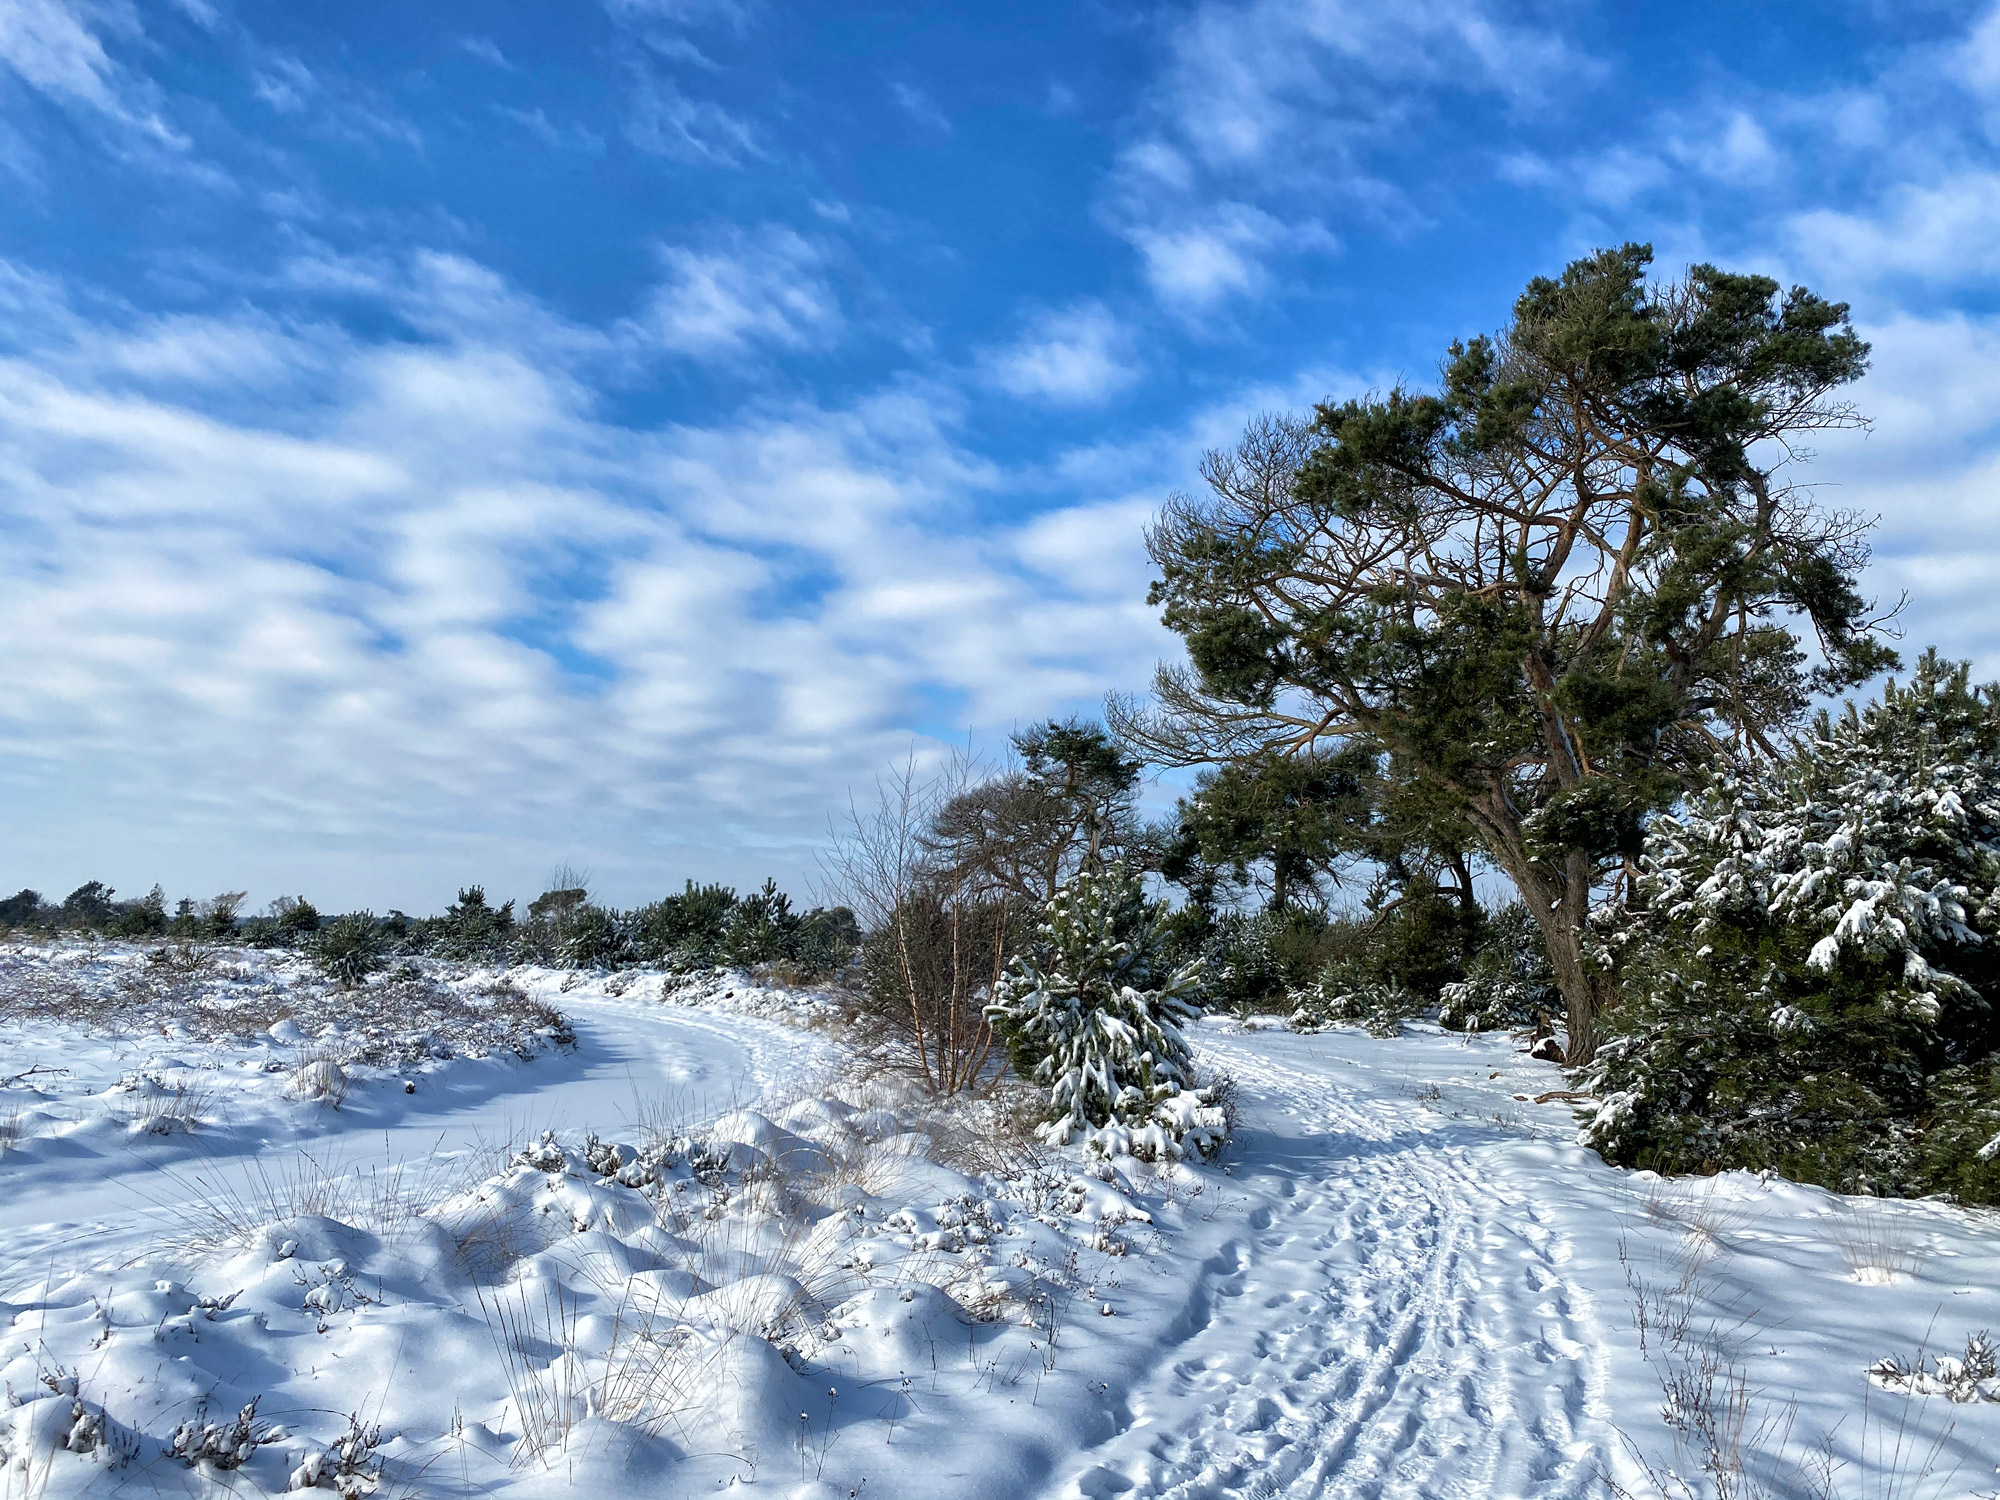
[(1403, 1280)]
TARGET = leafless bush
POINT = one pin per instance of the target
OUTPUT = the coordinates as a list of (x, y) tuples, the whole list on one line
[(1726, 1437), (1731, 1441), (939, 934), (185, 957), (32, 987)]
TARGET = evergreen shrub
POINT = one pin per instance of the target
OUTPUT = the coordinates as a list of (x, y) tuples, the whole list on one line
[(1092, 1012), (1508, 981), (1813, 989), (349, 949)]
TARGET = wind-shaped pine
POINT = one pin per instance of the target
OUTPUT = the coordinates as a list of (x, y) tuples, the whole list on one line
[(1092, 1013)]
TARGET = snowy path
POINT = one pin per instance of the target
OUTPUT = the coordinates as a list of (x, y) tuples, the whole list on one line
[(1386, 1321)]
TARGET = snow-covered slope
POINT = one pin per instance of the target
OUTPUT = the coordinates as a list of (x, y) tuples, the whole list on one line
[(1402, 1280)]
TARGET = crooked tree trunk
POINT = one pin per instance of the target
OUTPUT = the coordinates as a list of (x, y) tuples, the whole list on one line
[(1559, 901)]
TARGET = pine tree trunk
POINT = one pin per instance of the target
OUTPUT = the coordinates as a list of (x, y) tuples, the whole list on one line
[(1559, 901)]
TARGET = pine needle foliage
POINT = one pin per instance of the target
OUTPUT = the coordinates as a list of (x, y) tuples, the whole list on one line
[(1813, 990), (1093, 1011)]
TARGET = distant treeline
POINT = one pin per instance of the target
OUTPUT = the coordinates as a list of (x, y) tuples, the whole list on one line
[(702, 927)]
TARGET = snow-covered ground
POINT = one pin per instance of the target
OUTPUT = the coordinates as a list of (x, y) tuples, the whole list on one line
[(762, 1277)]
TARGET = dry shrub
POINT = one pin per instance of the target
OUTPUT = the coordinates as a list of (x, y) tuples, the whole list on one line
[(401, 1020), (940, 932), (317, 1076), (230, 1204), (149, 1106), (654, 1372), (1731, 1441)]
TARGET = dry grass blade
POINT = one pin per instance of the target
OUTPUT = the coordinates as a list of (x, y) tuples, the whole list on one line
[(1879, 1241), (229, 1203)]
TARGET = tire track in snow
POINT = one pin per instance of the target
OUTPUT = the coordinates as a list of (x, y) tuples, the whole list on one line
[(1387, 1324)]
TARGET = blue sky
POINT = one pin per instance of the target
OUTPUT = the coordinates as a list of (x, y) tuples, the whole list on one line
[(440, 441)]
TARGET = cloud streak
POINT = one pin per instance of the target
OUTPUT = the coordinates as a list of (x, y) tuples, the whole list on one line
[(450, 597), (1265, 113), (1076, 357), (49, 46)]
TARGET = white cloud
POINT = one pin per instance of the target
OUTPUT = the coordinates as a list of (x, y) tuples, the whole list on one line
[(1944, 230), (284, 83), (1273, 106), (1723, 144), (1978, 57), (1904, 218), (920, 106), (486, 50), (1929, 468), (563, 137), (51, 47), (735, 15), (769, 288), (1089, 548), (1075, 357), (667, 122), (328, 101), (1197, 264), (1861, 187), (1250, 83), (1741, 152), (447, 622)]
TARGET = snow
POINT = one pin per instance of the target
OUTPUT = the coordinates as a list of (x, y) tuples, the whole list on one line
[(690, 1254)]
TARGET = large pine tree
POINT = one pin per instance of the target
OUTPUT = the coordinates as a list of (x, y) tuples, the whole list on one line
[(1547, 591)]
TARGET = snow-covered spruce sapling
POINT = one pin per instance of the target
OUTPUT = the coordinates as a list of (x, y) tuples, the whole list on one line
[(1093, 1013)]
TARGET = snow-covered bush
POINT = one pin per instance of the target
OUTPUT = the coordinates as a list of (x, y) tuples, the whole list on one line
[(1507, 983), (34, 1427), (349, 1466), (708, 925), (1964, 1378), (1345, 994), (319, 1079), (1240, 960), (1812, 990), (220, 1445), (1093, 1014), (594, 941)]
